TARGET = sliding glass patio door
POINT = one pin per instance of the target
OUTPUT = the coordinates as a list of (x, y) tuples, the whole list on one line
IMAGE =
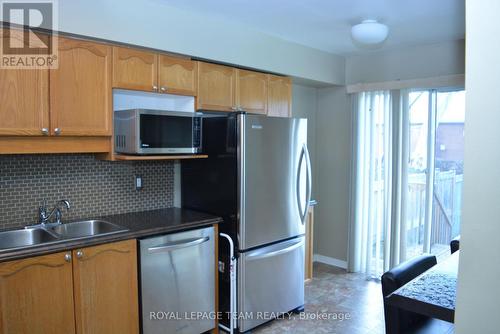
[(433, 170), (407, 176)]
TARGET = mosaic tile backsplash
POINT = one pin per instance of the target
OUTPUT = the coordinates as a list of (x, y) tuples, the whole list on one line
[(93, 187)]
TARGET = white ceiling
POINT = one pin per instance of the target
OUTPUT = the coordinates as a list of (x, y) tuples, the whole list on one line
[(325, 24)]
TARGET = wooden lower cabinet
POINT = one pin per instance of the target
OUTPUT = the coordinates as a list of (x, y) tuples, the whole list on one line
[(36, 295), (89, 290), (105, 287)]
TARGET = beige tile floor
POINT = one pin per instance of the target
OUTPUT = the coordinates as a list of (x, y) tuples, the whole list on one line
[(335, 292)]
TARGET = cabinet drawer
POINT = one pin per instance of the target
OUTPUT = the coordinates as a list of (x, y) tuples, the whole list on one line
[(270, 279)]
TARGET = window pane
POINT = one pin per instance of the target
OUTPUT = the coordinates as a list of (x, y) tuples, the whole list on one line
[(448, 179), (417, 169)]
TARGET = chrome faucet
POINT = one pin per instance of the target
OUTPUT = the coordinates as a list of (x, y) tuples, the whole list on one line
[(43, 217)]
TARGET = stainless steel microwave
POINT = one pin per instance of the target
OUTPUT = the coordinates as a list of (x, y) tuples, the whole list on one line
[(143, 132)]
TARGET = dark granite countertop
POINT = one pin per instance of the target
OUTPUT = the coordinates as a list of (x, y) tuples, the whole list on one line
[(139, 224)]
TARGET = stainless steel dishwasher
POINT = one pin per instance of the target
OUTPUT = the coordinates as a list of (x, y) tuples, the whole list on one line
[(178, 282)]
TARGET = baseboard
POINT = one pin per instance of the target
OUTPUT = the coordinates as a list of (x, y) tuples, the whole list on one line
[(330, 260)]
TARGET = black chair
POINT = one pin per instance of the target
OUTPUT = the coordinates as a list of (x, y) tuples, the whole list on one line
[(398, 321), (455, 244)]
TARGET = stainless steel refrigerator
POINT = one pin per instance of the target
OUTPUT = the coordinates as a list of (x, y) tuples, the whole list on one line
[(258, 178)]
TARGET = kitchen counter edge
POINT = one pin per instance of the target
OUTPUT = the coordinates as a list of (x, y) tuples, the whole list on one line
[(140, 224)]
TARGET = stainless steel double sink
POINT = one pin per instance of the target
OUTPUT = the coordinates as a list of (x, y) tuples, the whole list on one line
[(50, 233)]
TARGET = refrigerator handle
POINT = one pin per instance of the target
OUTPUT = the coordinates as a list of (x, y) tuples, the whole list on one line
[(260, 254), (308, 183), (304, 155)]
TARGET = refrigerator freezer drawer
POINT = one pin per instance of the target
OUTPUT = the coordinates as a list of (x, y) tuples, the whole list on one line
[(270, 279), (177, 278)]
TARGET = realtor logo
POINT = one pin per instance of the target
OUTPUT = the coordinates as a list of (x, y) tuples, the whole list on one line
[(29, 36)]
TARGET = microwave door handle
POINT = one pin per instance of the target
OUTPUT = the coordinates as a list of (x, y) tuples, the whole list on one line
[(171, 246)]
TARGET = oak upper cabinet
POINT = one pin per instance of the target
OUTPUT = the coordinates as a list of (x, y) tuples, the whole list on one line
[(216, 87), (106, 290), (36, 295), (224, 88), (177, 75), (24, 102), (80, 89), (251, 91), (135, 69), (24, 99), (279, 96)]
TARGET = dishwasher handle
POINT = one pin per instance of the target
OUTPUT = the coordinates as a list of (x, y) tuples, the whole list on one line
[(171, 246)]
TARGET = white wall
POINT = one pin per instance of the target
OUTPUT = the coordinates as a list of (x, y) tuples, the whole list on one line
[(153, 23), (329, 144), (333, 158), (304, 105), (478, 300), (421, 61)]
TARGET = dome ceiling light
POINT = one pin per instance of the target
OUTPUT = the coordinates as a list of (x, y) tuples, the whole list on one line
[(369, 33)]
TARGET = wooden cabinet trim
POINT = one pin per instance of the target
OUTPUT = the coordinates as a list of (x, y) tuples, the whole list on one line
[(69, 44), (52, 144), (92, 252), (11, 268)]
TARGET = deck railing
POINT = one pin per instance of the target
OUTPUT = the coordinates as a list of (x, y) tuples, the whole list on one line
[(446, 213)]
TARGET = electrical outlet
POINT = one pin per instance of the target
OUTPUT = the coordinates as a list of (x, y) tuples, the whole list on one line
[(138, 182)]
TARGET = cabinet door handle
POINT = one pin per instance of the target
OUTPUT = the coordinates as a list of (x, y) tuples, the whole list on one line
[(163, 89), (57, 131), (79, 254), (234, 108), (45, 131), (155, 88), (67, 257)]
